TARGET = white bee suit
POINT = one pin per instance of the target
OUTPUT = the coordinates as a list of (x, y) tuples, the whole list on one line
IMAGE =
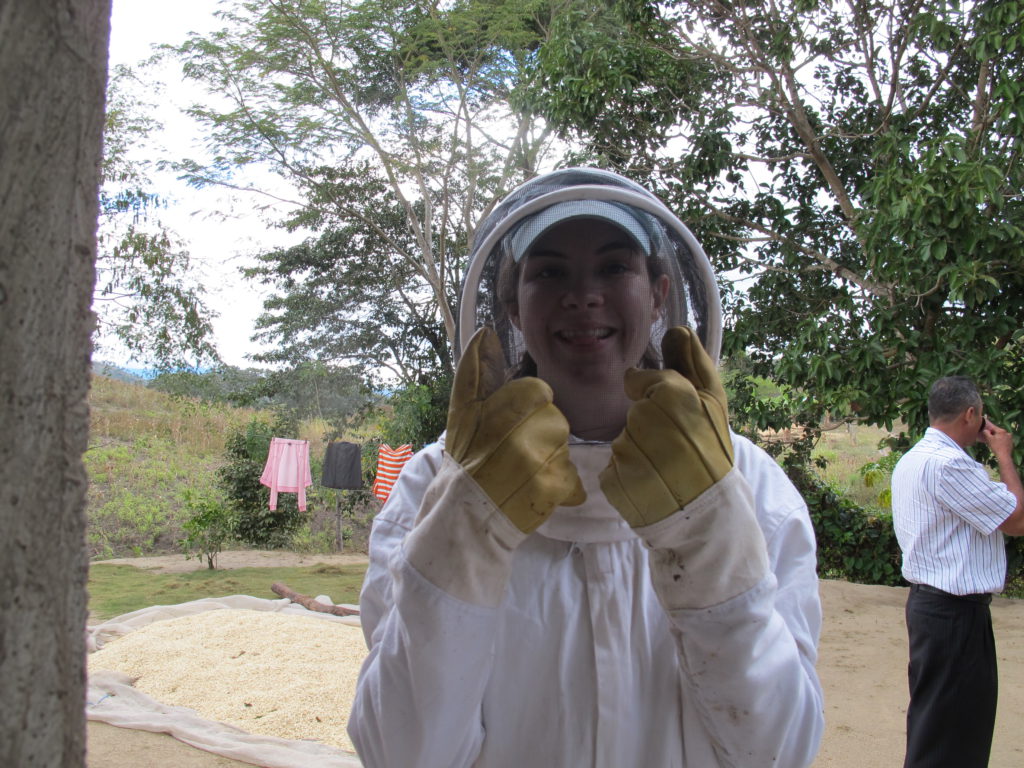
[(580, 644), (561, 651)]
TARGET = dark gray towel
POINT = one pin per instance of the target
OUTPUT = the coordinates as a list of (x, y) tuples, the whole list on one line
[(343, 468)]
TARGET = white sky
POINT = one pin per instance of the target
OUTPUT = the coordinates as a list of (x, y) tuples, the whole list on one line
[(218, 247)]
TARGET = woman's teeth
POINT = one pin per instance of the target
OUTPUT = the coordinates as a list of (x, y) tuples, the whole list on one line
[(583, 335)]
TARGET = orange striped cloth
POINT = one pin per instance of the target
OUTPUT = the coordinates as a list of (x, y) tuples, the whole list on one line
[(389, 463)]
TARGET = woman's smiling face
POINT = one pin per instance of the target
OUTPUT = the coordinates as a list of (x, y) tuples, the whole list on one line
[(585, 303)]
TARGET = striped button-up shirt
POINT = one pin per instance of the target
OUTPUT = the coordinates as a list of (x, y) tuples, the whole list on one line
[(946, 510)]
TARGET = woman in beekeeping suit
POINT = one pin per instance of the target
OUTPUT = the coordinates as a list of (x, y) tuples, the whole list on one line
[(589, 568)]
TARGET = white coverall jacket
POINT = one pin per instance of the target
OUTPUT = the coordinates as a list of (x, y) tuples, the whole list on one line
[(577, 662)]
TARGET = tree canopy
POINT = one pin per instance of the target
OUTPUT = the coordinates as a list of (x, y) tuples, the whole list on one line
[(853, 169), (391, 121), (144, 295)]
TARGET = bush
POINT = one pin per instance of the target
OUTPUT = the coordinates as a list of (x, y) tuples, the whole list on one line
[(210, 525), (419, 413), (1014, 567), (255, 523), (854, 543)]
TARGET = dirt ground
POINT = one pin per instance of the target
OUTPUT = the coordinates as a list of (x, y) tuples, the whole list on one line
[(862, 664)]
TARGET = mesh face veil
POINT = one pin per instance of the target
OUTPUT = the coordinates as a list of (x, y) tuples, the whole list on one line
[(532, 211)]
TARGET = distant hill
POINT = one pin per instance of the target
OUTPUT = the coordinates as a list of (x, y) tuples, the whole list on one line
[(121, 373)]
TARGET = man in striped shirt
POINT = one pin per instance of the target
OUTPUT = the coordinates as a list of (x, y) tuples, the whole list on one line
[(950, 518)]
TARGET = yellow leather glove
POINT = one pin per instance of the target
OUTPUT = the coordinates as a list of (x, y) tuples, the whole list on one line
[(676, 442), (509, 437)]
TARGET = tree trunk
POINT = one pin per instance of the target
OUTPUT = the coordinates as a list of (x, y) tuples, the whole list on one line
[(53, 69)]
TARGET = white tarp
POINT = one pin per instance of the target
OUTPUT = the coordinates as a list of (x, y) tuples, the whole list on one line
[(112, 699)]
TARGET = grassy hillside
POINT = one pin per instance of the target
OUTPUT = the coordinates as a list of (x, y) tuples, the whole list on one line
[(148, 449), (145, 450), (847, 449)]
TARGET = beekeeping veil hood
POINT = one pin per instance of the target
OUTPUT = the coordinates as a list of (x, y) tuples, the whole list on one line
[(585, 193)]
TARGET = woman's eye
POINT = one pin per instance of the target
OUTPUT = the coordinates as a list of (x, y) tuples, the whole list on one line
[(545, 272)]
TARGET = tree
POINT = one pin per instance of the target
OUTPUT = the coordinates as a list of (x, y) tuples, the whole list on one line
[(249, 515), (854, 170), (417, 414), (307, 391), (225, 384), (390, 121), (344, 296), (52, 78), (144, 296)]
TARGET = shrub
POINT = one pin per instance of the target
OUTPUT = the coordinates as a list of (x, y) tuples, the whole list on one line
[(255, 523), (854, 543), (210, 525), (419, 413)]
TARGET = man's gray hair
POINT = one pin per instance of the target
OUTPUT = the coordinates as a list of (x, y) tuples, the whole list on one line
[(950, 396)]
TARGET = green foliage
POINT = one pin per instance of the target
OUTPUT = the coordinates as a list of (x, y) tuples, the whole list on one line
[(592, 78), (1015, 567), (344, 296), (210, 525), (131, 523), (223, 384), (854, 543), (390, 120), (348, 514), (877, 474), (321, 542), (144, 294), (255, 523), (136, 493), (419, 414), (857, 166), (306, 391)]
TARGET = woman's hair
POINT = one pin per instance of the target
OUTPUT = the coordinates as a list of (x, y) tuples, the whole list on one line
[(508, 294), (950, 396)]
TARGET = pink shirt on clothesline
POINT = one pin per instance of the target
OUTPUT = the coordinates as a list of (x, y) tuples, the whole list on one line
[(287, 469)]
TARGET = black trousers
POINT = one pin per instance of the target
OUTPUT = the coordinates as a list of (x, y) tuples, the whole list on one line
[(953, 680)]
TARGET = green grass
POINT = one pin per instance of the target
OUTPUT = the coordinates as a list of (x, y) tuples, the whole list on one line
[(148, 450), (847, 450), (136, 494), (118, 589), (123, 412)]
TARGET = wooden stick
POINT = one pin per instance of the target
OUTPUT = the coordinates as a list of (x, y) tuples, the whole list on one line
[(311, 603)]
